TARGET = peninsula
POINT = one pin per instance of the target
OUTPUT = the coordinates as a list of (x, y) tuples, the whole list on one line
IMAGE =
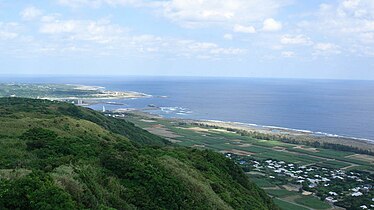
[(74, 93)]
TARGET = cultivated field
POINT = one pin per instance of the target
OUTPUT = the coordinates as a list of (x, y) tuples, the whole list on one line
[(287, 194)]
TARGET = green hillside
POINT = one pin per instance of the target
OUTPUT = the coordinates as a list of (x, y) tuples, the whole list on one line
[(58, 156)]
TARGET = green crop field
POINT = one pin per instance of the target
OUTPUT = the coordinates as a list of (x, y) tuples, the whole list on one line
[(312, 202), (284, 205), (333, 164), (280, 193), (261, 182), (255, 149)]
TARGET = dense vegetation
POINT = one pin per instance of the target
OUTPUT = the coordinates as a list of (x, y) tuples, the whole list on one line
[(58, 156)]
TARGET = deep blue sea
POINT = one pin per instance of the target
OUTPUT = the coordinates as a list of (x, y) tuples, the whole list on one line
[(339, 107)]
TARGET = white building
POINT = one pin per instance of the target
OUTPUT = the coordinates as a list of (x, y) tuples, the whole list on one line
[(356, 194)]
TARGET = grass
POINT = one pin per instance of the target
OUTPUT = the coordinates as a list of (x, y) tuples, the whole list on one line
[(331, 154), (271, 143), (281, 193), (255, 149), (262, 182), (361, 168), (312, 202), (284, 205), (333, 164)]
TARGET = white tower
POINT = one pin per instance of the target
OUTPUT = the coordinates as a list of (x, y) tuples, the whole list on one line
[(104, 109)]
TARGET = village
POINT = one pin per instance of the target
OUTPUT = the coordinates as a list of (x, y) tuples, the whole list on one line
[(347, 189)]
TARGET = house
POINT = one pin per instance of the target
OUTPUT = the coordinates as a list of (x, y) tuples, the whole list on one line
[(356, 189), (337, 177), (278, 171), (331, 200), (300, 177), (325, 179), (312, 185), (356, 194), (333, 193), (363, 207)]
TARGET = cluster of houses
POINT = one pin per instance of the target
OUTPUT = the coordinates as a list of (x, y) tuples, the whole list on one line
[(371, 206), (314, 178)]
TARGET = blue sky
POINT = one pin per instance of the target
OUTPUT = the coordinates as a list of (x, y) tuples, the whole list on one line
[(243, 38)]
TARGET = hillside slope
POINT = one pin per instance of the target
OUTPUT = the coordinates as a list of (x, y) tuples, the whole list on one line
[(58, 156)]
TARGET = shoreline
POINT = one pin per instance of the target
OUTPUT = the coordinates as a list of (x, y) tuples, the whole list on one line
[(292, 130), (273, 128), (299, 134)]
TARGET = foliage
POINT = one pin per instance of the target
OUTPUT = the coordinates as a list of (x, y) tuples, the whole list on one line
[(76, 158), (35, 191)]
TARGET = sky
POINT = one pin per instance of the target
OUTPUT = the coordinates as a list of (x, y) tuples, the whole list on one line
[(329, 39)]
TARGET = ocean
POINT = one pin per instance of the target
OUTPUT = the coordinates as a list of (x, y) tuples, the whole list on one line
[(340, 107)]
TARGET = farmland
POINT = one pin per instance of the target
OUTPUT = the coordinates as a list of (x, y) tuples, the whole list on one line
[(297, 176)]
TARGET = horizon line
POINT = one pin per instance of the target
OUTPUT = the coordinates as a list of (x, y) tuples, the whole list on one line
[(28, 75)]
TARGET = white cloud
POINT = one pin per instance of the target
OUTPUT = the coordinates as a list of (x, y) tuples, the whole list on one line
[(80, 3), (5, 35), (50, 17), (207, 47), (103, 37), (30, 13), (98, 3), (295, 40), (326, 49), (367, 37), (349, 22), (228, 36), (356, 8), (325, 46), (244, 29), (101, 31), (195, 13), (184, 48), (288, 54), (8, 31), (271, 25), (198, 13)]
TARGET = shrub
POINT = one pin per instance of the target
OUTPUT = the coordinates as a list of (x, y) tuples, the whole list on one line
[(37, 138)]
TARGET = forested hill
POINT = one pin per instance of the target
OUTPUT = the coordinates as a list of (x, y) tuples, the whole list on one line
[(55, 155)]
